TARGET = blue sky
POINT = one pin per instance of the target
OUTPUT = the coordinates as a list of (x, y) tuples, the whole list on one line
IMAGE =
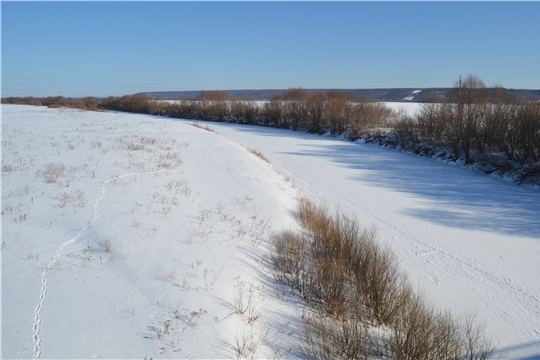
[(103, 48)]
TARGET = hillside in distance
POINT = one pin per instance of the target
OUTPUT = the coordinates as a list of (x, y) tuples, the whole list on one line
[(389, 94)]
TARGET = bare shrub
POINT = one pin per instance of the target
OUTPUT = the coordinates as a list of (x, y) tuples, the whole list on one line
[(339, 112), (148, 140), (328, 285), (76, 197), (317, 107), (8, 168), (80, 197), (289, 256), (96, 144), (259, 155), (171, 276), (330, 338), (365, 114), (246, 300), (407, 133), (421, 332), (475, 344), (312, 218), (106, 246), (64, 199), (273, 113), (382, 286), (31, 256), (134, 147), (52, 172), (246, 346), (244, 111), (204, 127), (192, 317), (360, 304), (412, 331)]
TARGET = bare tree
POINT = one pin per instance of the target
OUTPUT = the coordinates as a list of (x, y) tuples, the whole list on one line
[(338, 109), (316, 104)]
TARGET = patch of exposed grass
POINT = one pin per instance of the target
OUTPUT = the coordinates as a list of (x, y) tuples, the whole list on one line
[(259, 155), (204, 127)]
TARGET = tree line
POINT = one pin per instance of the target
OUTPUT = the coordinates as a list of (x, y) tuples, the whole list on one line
[(337, 112), (472, 123), (478, 125)]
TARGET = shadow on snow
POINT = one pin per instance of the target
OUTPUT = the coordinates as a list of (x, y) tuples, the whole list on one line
[(459, 197)]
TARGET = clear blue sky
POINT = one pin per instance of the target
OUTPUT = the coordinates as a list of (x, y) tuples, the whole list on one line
[(102, 48)]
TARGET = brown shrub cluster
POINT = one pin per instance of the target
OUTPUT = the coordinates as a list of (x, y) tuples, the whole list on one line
[(336, 112), (204, 127), (142, 104), (359, 304)]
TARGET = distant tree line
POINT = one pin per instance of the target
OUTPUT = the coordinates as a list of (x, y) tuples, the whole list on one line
[(477, 125), (472, 122), (336, 112), (87, 103)]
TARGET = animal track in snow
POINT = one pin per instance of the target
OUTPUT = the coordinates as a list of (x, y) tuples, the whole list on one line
[(37, 314)]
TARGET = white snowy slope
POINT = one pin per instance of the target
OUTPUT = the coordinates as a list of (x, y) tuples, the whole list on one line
[(187, 214)]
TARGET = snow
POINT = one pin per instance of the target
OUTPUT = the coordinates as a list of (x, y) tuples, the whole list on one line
[(413, 95), (411, 109), (188, 212), (187, 217)]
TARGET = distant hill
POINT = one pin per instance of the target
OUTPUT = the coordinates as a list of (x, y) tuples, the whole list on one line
[(524, 94), (393, 94)]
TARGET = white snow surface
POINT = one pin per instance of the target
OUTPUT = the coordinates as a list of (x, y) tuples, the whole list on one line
[(410, 108), (413, 95), (143, 242)]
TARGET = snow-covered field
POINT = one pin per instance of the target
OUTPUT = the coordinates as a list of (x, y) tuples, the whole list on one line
[(125, 236)]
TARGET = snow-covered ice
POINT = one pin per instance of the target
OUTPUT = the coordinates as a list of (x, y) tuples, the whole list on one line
[(170, 225)]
